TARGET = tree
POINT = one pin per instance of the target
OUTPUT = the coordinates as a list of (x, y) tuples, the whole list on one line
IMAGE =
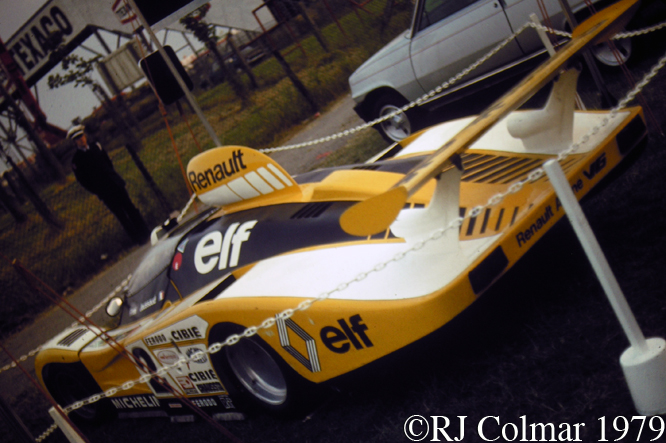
[(58, 173), (41, 207), (205, 33)]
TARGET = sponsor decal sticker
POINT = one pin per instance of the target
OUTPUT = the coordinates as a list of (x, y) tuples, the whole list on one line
[(202, 375), (525, 236), (215, 249), (210, 388), (217, 173), (136, 402), (226, 402), (148, 303), (177, 261), (167, 356), (187, 385), (204, 402), (340, 340), (311, 361), (201, 359), (193, 328)]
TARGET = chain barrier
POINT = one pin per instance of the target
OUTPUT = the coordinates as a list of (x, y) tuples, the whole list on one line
[(454, 224), (189, 203), (638, 32), (46, 433), (21, 359), (447, 84), (89, 313)]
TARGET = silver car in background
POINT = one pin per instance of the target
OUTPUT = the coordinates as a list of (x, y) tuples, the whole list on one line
[(446, 36)]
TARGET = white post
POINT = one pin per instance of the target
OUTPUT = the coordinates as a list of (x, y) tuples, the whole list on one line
[(172, 68), (551, 51), (542, 35), (644, 362), (66, 429)]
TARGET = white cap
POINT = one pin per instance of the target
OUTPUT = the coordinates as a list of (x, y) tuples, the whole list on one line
[(75, 132)]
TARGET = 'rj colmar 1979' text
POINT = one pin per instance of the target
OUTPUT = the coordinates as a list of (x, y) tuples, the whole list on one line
[(492, 428)]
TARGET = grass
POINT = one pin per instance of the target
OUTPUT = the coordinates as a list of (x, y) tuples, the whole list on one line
[(359, 149)]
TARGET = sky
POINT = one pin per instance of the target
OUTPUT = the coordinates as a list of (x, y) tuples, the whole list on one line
[(64, 104)]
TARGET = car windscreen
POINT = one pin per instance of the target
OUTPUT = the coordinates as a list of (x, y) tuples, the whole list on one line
[(149, 284)]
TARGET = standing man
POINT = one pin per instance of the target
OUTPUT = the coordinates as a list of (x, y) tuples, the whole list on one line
[(94, 170)]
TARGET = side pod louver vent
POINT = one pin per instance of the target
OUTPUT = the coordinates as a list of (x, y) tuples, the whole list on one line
[(311, 210), (367, 167), (72, 337)]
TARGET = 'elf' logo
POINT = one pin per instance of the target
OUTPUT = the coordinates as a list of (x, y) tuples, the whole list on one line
[(338, 340), (213, 248)]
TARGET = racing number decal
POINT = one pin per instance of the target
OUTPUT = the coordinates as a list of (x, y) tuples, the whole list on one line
[(156, 382)]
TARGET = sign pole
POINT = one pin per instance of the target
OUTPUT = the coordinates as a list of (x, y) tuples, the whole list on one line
[(172, 68)]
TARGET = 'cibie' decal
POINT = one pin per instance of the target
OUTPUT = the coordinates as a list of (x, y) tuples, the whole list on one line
[(213, 248), (193, 328)]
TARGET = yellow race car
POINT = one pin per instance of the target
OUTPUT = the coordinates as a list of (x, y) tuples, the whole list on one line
[(335, 268)]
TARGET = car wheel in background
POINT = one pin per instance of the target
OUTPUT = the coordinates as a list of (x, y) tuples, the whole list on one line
[(605, 55), (401, 125)]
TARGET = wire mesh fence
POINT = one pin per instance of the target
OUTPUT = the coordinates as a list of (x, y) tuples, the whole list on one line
[(90, 237)]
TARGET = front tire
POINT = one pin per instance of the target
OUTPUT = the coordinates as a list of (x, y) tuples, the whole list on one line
[(69, 383), (401, 125)]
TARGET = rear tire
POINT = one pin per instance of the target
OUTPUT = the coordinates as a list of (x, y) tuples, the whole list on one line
[(258, 379), (607, 57)]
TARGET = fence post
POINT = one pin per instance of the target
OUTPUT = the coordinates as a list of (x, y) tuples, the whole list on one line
[(65, 427), (15, 423)]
